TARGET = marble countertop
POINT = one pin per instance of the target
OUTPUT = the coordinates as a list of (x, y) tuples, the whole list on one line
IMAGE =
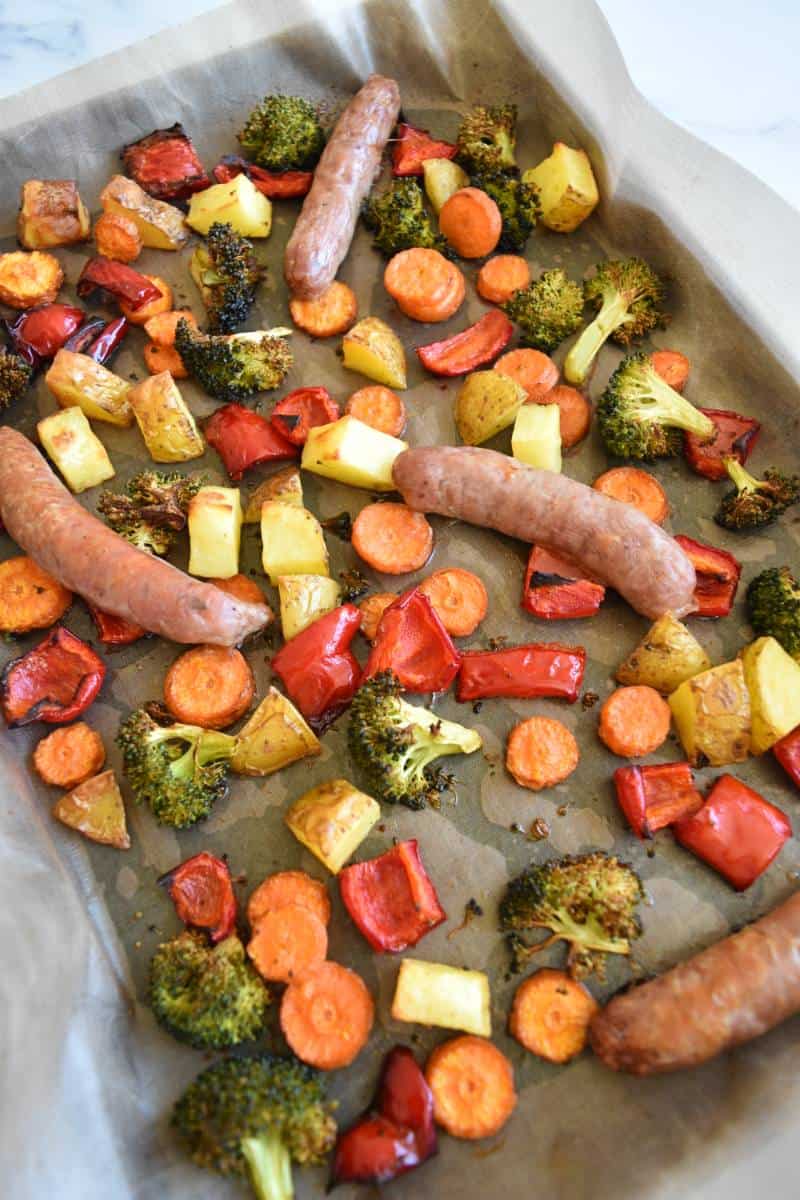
[(724, 69)]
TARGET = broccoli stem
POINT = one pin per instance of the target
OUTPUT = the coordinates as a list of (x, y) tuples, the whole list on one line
[(578, 362), (743, 480), (213, 746), (269, 1166)]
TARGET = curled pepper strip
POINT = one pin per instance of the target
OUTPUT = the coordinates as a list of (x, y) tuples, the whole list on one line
[(470, 349), (114, 631), (278, 185), (55, 682), (39, 333), (243, 439), (202, 892), (108, 341), (118, 279), (653, 797), (717, 574)]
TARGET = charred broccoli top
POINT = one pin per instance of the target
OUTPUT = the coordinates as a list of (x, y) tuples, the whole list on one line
[(628, 294), (226, 272), (153, 510), (487, 138), (588, 900), (15, 375), (235, 366), (755, 502), (547, 311), (283, 133), (399, 220), (773, 605), (253, 1116), (640, 415), (208, 996), (394, 743), (518, 203)]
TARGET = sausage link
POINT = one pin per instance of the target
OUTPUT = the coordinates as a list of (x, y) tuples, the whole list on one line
[(89, 558), (732, 992), (350, 161), (613, 542)]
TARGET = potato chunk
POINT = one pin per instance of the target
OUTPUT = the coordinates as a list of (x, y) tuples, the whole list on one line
[(375, 350), (487, 402), (292, 541), (304, 599), (536, 436), (80, 456), (76, 380), (167, 426), (274, 736), (284, 485), (29, 278), (332, 821), (712, 716), (443, 178), (238, 203), (96, 810), (215, 528), (429, 993), (351, 452), (773, 680), (666, 657), (51, 213), (160, 225), (567, 188)]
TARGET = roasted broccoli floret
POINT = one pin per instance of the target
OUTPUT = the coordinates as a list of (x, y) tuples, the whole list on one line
[(628, 294), (755, 502), (254, 1116), (153, 510), (234, 366), (773, 606), (179, 770), (588, 900), (15, 375), (394, 743), (487, 138), (641, 416), (227, 273), (547, 311), (399, 220), (283, 134), (208, 996), (518, 203)]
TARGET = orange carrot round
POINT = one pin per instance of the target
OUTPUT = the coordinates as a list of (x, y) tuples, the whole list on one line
[(164, 358), (331, 313), (289, 887), (575, 413), (210, 686), (392, 538), (29, 597), (632, 485), (117, 237), (327, 1015), (541, 752), (634, 721), (139, 316), (672, 366), (424, 284), (501, 276), (69, 755), (471, 222), (372, 609), (459, 598), (537, 373), (286, 942), (473, 1087), (242, 588), (379, 407), (550, 1015), (161, 328)]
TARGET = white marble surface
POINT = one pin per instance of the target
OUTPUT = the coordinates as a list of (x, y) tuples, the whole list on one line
[(724, 69)]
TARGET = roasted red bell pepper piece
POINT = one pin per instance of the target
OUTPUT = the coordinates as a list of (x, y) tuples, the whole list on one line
[(522, 672), (735, 438), (470, 349), (411, 147), (118, 279), (106, 344), (278, 185), (414, 645), (656, 796), (55, 682), (165, 164), (787, 752), (114, 631), (317, 668), (39, 333), (202, 892), (737, 832), (302, 410), (82, 338), (243, 439), (554, 590), (391, 898), (717, 577)]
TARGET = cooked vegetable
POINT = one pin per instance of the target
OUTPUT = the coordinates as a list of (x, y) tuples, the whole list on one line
[(631, 485), (634, 721), (30, 598), (95, 809), (567, 188), (54, 682), (487, 138), (333, 312), (51, 213), (712, 715), (40, 333), (289, 887), (317, 667), (140, 313), (227, 273), (327, 1015), (536, 436), (160, 225), (554, 589), (550, 1015), (541, 753), (547, 311), (654, 797), (69, 755), (165, 422), (424, 284), (80, 456), (532, 369), (716, 577), (666, 657), (473, 1087), (15, 376), (292, 541), (103, 347), (77, 380), (302, 410), (351, 452), (117, 237), (628, 294), (137, 293), (473, 347), (575, 413), (238, 204), (283, 485), (429, 993), (234, 367), (304, 599), (735, 436), (391, 898), (28, 279), (442, 179), (787, 752), (518, 202), (500, 277), (164, 358), (242, 587), (379, 407), (283, 133), (208, 996), (755, 502), (773, 681), (522, 672), (392, 538), (165, 163), (211, 686), (413, 147), (398, 220), (244, 439), (153, 510), (412, 643), (471, 223), (458, 597), (113, 630), (287, 942), (202, 892), (641, 416), (487, 402), (673, 367), (372, 610), (274, 736), (215, 529), (332, 821), (274, 184), (773, 606)]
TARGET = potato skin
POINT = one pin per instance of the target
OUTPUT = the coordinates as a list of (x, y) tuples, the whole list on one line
[(51, 214), (712, 715), (666, 657)]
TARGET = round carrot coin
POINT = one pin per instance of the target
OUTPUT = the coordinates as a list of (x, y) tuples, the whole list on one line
[(574, 413), (672, 366), (459, 598), (29, 597), (550, 1015), (379, 407), (471, 222), (331, 313), (501, 276), (117, 237), (210, 686), (163, 303), (541, 752), (69, 755), (242, 588), (632, 485), (161, 328), (473, 1087), (164, 358), (537, 373), (289, 887), (326, 1016), (634, 721), (392, 538), (424, 284), (286, 942), (372, 609)]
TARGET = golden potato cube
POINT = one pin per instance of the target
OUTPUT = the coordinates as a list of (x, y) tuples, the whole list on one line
[(773, 680), (332, 821), (429, 993), (79, 455), (353, 453), (164, 421), (292, 541), (487, 402), (567, 188), (96, 810), (76, 380), (536, 436), (304, 599), (51, 213), (443, 178), (28, 278), (215, 528), (375, 350), (712, 715), (275, 736), (284, 485), (666, 657), (160, 225), (238, 203)]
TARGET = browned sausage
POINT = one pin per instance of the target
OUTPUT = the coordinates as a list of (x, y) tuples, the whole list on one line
[(734, 991), (613, 542), (346, 172), (87, 557)]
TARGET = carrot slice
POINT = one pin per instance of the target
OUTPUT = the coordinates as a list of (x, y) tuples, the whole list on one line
[(541, 752), (392, 538), (117, 237), (471, 222), (550, 1015), (241, 587), (672, 366), (332, 312), (632, 485), (501, 276), (537, 373), (372, 609), (327, 1015), (139, 316), (164, 358), (473, 1087), (70, 755), (575, 413), (161, 328), (29, 597), (424, 284), (433, 312), (210, 686), (286, 942), (459, 598), (379, 407), (289, 887), (634, 721)]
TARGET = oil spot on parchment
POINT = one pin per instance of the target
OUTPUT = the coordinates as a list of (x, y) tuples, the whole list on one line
[(127, 883)]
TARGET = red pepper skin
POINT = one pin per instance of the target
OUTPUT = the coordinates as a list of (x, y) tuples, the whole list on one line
[(787, 752), (55, 682), (109, 341), (522, 672), (656, 796), (82, 338), (414, 645), (243, 439), (412, 146), (391, 898), (554, 591), (301, 411), (405, 1098), (278, 185), (39, 333), (165, 164), (470, 349), (316, 667), (717, 577), (202, 892), (118, 279), (114, 631), (736, 436), (737, 832)]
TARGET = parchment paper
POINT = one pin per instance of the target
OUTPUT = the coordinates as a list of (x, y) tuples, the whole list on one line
[(88, 1078)]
